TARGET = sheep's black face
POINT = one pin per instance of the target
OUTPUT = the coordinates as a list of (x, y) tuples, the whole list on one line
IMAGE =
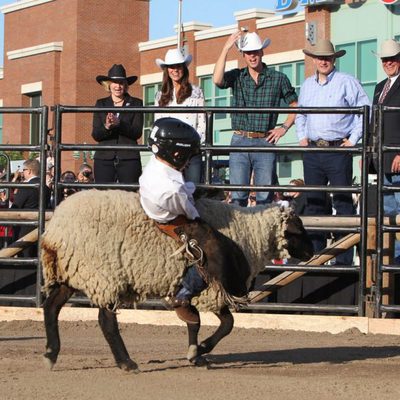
[(299, 243)]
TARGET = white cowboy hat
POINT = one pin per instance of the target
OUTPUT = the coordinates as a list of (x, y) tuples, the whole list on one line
[(389, 48), (174, 56), (324, 48), (251, 41)]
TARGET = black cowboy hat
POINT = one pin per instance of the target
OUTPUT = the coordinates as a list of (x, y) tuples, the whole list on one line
[(116, 73)]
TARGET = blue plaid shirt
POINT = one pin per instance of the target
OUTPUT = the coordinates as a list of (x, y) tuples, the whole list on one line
[(272, 87), (340, 90)]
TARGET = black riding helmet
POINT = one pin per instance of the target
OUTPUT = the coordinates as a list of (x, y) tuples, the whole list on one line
[(174, 141)]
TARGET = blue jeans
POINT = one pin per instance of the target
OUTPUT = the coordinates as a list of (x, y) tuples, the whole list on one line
[(391, 202), (192, 284), (241, 166), (337, 169)]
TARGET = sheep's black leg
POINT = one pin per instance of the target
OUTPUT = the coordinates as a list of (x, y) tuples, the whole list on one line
[(109, 325), (193, 333), (224, 329), (51, 309)]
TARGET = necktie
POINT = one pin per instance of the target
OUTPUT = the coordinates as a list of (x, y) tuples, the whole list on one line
[(384, 91)]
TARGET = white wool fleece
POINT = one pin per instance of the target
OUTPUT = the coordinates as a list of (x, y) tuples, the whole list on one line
[(102, 243)]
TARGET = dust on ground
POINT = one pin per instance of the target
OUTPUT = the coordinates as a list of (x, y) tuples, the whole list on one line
[(249, 364)]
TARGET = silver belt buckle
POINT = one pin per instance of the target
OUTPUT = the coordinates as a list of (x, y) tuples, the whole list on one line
[(322, 143)]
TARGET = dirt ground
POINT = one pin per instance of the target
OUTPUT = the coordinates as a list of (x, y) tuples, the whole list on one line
[(249, 364)]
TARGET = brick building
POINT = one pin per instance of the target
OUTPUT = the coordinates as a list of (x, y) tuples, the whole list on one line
[(59, 49), (62, 45)]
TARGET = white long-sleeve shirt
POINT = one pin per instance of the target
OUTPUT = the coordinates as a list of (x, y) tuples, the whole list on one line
[(164, 194), (197, 121)]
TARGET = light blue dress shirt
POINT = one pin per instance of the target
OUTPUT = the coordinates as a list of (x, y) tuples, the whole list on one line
[(339, 90)]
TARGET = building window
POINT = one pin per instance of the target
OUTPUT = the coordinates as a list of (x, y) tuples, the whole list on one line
[(358, 63), (294, 71), (35, 100), (214, 96), (149, 94)]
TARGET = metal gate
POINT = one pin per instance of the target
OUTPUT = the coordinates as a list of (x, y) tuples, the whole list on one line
[(353, 225)]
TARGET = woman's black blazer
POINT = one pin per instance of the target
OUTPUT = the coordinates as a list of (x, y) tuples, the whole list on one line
[(127, 132)]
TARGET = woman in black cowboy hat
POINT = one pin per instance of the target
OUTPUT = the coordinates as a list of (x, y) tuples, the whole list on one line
[(116, 128)]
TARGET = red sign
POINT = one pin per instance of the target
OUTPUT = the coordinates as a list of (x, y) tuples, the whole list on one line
[(389, 2)]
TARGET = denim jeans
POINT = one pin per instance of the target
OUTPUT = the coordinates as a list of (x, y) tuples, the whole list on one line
[(192, 284), (337, 169), (391, 203), (241, 166)]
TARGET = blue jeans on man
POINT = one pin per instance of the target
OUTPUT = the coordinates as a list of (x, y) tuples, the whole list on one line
[(391, 205), (242, 165), (337, 169)]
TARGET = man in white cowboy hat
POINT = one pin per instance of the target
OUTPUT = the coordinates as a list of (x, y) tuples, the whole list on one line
[(329, 88), (387, 93), (254, 86)]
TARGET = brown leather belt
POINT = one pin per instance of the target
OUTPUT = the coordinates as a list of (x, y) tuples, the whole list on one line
[(251, 135), (326, 143)]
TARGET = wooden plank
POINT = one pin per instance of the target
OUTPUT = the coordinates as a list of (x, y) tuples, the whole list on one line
[(286, 277), (17, 246), (23, 215)]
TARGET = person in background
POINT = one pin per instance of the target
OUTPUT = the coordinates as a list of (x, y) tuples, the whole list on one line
[(85, 174), (329, 88), (254, 86), (114, 128), (67, 177), (387, 93), (6, 231), (176, 90), (28, 198), (297, 200)]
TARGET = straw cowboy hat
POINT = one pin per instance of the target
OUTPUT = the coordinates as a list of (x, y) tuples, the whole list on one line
[(174, 56), (389, 48), (251, 42), (324, 48), (116, 73)]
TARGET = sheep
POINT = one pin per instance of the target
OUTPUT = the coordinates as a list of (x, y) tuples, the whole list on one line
[(103, 244)]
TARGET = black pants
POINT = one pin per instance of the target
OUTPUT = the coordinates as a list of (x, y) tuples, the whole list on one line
[(116, 170)]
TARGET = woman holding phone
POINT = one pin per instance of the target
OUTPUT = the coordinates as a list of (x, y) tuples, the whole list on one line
[(123, 166)]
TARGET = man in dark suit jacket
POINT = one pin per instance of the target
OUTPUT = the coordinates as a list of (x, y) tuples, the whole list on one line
[(28, 198), (387, 93)]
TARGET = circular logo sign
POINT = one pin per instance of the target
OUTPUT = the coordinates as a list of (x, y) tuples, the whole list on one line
[(389, 2)]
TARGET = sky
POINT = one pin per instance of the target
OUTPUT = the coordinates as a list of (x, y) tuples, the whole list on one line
[(164, 14)]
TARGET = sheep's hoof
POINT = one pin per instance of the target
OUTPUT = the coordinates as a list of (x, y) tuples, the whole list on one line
[(129, 366), (200, 361), (49, 360), (203, 348)]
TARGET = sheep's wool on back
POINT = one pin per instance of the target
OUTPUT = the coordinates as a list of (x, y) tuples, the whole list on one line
[(102, 243)]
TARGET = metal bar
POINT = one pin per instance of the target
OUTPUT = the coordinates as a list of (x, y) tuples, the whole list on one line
[(364, 215), (301, 307), (57, 153), (379, 224), (219, 110), (209, 142), (42, 197)]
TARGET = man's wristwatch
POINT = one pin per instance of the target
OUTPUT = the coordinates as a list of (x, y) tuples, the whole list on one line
[(285, 127)]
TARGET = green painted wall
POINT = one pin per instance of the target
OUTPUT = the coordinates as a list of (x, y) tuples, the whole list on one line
[(370, 20)]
